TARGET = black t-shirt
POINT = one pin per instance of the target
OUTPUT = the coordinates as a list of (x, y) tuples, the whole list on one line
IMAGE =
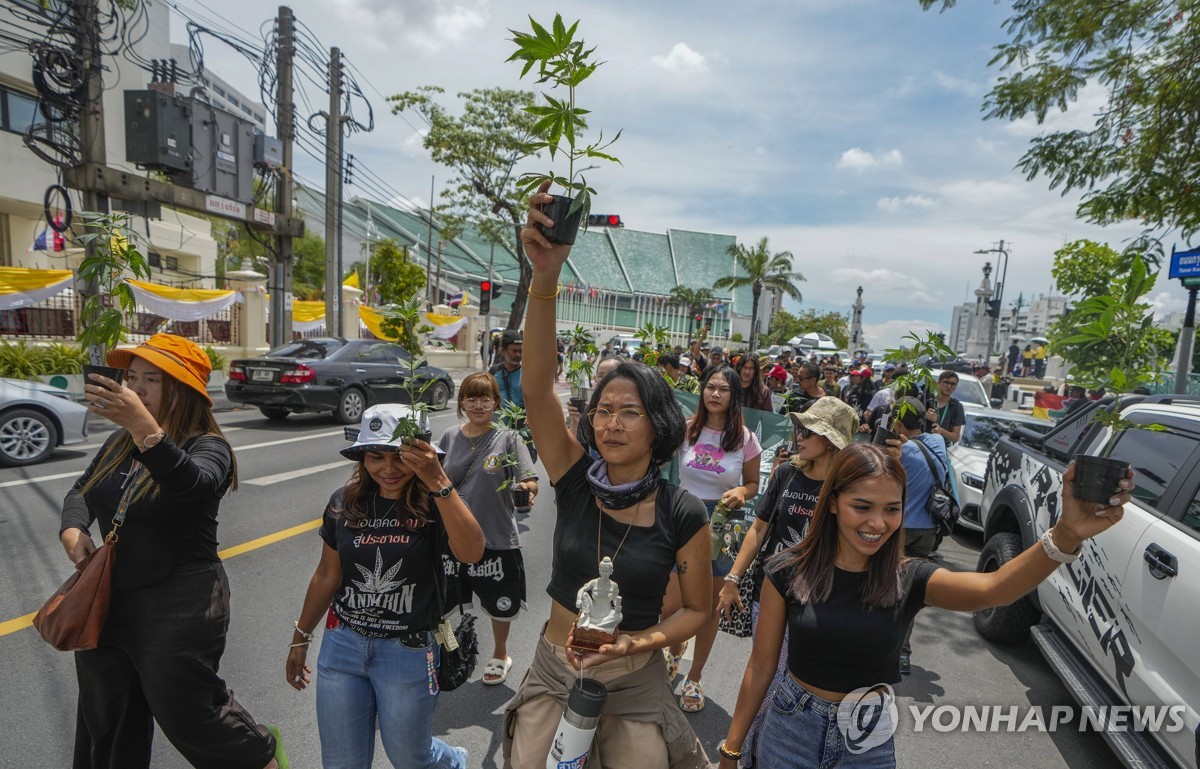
[(950, 416), (841, 644), (389, 584), (792, 497), (644, 564)]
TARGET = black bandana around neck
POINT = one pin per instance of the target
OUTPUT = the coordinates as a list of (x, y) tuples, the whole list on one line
[(625, 495)]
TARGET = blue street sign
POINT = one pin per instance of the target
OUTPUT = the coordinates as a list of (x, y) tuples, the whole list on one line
[(1185, 264)]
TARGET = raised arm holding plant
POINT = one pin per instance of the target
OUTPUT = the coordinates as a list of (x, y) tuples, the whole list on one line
[(563, 62)]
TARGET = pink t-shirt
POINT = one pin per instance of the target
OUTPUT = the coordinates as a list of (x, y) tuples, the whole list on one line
[(707, 470)]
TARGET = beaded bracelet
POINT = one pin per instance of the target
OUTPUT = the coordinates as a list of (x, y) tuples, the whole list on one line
[(732, 755)]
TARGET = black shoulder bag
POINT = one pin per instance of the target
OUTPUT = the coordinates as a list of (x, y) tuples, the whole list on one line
[(941, 505), (460, 645)]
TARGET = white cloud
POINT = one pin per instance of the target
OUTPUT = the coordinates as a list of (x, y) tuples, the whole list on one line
[(893, 204), (957, 84), (1166, 303), (859, 159), (890, 334), (682, 60), (889, 283), (413, 145)]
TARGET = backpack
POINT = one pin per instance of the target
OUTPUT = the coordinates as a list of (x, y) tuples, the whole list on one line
[(941, 505)]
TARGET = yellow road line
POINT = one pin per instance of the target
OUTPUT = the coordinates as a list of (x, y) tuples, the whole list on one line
[(20, 623)]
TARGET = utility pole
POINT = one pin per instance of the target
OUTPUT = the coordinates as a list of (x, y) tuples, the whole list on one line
[(429, 247), (1187, 337), (1003, 279), (91, 128), (437, 284), (280, 312), (333, 175)]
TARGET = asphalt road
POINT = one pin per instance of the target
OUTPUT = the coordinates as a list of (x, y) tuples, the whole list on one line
[(287, 472)]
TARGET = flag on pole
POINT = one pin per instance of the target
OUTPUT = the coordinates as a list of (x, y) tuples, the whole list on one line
[(49, 240)]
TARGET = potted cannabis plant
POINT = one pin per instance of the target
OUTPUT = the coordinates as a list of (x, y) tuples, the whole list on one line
[(404, 322), (562, 62), (653, 338), (113, 251), (510, 416), (919, 376), (582, 349), (1112, 342)]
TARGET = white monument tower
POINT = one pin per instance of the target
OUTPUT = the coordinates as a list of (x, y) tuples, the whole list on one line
[(979, 340), (857, 341)]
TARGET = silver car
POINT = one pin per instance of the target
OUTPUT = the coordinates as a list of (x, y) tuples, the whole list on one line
[(35, 419), (984, 427)]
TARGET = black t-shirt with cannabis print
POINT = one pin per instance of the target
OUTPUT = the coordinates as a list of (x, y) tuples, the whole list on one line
[(388, 580)]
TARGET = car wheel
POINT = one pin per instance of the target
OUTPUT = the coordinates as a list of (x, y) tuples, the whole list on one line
[(439, 395), (351, 406), (275, 413), (1004, 624), (26, 437)]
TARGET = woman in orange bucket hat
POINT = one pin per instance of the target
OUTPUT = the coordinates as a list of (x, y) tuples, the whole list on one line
[(166, 470)]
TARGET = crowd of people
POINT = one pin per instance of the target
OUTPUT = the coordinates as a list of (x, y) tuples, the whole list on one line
[(837, 555)]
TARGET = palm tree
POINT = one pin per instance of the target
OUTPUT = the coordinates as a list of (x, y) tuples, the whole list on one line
[(761, 269), (694, 299)]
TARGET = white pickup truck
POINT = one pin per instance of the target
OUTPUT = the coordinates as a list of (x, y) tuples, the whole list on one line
[(1120, 626)]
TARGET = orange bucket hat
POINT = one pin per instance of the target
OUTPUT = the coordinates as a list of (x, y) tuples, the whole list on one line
[(182, 360)]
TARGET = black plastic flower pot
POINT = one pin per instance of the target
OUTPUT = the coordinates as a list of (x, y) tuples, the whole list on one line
[(521, 499), (883, 435), (115, 374), (1096, 478), (579, 403), (566, 226)]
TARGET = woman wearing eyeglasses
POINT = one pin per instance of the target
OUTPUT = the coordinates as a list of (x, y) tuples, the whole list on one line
[(615, 509), (487, 464), (718, 463)]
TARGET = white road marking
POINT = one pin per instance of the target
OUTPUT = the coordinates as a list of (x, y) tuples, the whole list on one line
[(25, 481), (76, 473), (268, 480)]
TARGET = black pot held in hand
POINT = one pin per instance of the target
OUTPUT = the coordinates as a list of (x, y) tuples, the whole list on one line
[(115, 374), (1097, 478), (520, 498), (883, 435), (566, 227)]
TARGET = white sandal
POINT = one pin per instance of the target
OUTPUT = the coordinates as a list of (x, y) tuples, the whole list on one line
[(692, 690), (499, 668)]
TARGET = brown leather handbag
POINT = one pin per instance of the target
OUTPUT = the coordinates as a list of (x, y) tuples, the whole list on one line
[(74, 617)]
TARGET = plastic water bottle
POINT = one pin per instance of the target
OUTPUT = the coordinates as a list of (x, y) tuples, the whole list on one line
[(573, 739), (720, 515)]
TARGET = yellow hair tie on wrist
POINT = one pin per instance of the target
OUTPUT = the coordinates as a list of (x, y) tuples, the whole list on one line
[(551, 296)]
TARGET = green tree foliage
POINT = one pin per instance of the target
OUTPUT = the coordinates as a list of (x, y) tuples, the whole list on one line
[(398, 279), (1139, 159), (694, 300), (480, 147), (1085, 268), (308, 267), (784, 326), (758, 268), (1109, 338)]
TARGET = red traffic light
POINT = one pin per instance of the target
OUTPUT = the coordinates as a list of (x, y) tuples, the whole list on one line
[(485, 287), (614, 220)]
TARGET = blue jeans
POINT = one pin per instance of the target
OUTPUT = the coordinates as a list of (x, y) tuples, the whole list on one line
[(802, 729), (363, 680)]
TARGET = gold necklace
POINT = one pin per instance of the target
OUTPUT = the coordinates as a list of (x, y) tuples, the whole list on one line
[(478, 438), (599, 529), (375, 506)]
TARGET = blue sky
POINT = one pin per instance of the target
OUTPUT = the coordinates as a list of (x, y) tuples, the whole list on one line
[(849, 132)]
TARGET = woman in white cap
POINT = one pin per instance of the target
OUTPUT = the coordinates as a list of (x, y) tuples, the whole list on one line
[(383, 534), (166, 468), (784, 513)]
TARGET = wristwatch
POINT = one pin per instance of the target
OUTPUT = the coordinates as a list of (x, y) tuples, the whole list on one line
[(151, 440), (1054, 554), (443, 492)]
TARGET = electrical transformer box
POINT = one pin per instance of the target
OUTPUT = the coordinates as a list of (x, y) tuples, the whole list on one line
[(268, 151), (158, 131), (223, 153)]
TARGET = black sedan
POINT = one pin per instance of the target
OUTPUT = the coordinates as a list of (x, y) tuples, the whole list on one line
[(343, 376)]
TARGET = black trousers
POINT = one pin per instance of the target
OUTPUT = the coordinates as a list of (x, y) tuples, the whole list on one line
[(158, 659)]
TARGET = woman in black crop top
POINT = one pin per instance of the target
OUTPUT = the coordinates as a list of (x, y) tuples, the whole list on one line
[(845, 597), (379, 576), (616, 507)]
